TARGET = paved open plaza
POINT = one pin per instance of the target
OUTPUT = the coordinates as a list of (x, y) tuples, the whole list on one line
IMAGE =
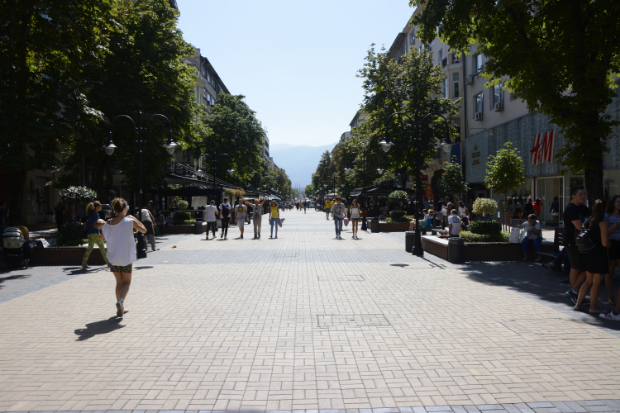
[(302, 322)]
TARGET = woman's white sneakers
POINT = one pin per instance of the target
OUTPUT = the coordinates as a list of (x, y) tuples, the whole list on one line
[(119, 308), (610, 316)]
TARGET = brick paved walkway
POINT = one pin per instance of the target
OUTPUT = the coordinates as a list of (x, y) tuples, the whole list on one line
[(304, 322)]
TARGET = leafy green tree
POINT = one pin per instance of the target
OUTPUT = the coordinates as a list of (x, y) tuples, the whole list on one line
[(46, 47), (452, 181), (505, 173), (309, 190), (389, 87), (562, 57), (233, 129), (144, 70)]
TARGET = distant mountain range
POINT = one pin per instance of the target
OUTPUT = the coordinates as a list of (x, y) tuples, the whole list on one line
[(299, 162)]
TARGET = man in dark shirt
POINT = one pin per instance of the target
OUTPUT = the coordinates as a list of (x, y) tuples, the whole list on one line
[(575, 214)]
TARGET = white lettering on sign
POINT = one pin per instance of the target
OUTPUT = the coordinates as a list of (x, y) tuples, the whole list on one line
[(542, 151)]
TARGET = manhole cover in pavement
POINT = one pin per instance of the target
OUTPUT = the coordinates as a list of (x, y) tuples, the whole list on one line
[(352, 320), (341, 278)]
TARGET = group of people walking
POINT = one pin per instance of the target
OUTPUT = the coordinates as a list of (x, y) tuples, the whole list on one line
[(243, 215), (340, 213)]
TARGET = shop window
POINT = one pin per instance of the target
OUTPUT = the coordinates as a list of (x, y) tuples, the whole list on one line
[(455, 85)]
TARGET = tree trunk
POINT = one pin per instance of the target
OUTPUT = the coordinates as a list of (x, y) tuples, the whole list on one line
[(17, 180), (594, 181)]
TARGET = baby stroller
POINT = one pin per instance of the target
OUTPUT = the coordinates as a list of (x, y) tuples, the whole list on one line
[(13, 248)]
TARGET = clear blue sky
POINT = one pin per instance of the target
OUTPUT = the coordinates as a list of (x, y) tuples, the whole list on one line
[(295, 61)]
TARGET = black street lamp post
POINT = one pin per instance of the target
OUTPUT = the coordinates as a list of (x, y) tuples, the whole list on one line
[(417, 125), (140, 142), (213, 158), (365, 164)]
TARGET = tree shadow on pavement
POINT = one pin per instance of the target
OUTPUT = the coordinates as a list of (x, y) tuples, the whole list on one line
[(12, 277), (99, 327), (539, 284)]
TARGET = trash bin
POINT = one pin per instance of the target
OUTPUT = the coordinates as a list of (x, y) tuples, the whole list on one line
[(198, 227), (409, 239), (374, 224), (456, 250)]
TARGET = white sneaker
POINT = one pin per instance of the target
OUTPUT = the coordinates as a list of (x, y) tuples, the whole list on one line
[(610, 316)]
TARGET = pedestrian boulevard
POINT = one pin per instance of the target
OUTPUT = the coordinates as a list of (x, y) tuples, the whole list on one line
[(302, 322)]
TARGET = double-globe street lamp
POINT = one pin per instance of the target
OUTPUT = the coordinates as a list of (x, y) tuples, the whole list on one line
[(416, 140), (140, 142), (365, 157)]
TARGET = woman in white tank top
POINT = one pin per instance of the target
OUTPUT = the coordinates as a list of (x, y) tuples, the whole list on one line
[(355, 212), (121, 249)]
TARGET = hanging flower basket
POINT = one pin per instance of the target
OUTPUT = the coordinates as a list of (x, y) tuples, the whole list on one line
[(237, 193)]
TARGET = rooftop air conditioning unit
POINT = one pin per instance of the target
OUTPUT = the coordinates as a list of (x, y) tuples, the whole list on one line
[(499, 106), (469, 80), (478, 116)]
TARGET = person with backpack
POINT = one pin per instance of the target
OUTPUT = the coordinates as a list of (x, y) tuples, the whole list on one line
[(225, 217), (211, 218), (597, 263), (575, 214), (241, 215)]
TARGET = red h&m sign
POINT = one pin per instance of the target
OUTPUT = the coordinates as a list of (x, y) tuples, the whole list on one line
[(542, 151)]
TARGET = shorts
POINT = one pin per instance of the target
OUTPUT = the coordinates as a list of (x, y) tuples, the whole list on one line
[(121, 268), (577, 260), (355, 219), (614, 250), (240, 222)]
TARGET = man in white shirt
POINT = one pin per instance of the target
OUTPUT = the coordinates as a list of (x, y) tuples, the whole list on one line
[(454, 224), (211, 218), (533, 230), (241, 212)]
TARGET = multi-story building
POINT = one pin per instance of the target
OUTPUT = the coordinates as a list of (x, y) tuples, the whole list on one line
[(490, 116)]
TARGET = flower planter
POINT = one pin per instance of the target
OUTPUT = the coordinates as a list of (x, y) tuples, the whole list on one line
[(394, 227), (64, 256), (483, 251)]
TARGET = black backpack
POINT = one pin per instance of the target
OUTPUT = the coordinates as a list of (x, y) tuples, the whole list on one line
[(583, 239), (225, 211)]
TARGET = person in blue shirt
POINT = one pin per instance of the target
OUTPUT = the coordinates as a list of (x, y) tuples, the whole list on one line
[(94, 234)]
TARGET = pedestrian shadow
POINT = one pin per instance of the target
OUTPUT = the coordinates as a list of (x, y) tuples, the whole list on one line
[(99, 327), (545, 285), (144, 267), (11, 278)]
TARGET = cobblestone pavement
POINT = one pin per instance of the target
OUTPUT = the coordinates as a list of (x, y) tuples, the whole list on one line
[(304, 322)]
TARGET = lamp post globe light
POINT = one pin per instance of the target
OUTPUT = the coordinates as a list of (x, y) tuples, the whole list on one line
[(417, 125), (365, 157), (140, 142)]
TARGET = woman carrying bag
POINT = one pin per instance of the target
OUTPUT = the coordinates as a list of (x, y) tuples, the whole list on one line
[(121, 249)]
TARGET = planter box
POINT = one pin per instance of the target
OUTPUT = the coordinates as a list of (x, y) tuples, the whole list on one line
[(183, 229), (64, 256), (395, 227), (483, 251)]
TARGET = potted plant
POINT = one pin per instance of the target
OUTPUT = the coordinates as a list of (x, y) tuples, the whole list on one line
[(398, 197)]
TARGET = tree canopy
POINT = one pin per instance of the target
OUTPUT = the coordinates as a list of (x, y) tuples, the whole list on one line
[(562, 57)]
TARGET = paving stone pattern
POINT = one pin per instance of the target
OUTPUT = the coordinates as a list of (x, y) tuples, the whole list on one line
[(305, 322)]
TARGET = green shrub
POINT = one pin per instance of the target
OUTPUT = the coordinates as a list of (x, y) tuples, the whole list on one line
[(398, 220), (486, 206), (485, 227), (397, 196), (72, 230), (185, 222), (181, 216), (182, 204), (471, 237), (397, 214)]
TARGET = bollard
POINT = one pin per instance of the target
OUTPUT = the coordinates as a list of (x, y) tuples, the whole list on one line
[(456, 250), (409, 238), (198, 227)]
